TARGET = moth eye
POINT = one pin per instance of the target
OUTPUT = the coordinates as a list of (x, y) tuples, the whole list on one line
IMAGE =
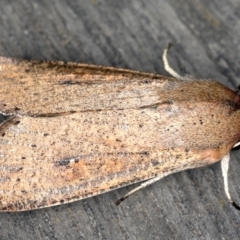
[(238, 90)]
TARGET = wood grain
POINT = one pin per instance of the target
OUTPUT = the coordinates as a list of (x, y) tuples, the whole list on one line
[(187, 205)]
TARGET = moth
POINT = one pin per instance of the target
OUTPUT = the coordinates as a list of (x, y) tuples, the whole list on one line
[(74, 130)]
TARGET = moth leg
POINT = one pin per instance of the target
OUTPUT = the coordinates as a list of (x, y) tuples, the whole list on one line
[(225, 166), (143, 185), (236, 145), (167, 67)]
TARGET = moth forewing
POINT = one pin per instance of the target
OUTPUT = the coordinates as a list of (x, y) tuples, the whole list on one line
[(78, 130)]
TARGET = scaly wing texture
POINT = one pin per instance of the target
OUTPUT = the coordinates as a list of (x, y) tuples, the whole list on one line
[(76, 132)]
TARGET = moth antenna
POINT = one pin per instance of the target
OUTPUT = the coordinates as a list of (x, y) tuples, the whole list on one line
[(143, 185), (225, 167), (167, 66)]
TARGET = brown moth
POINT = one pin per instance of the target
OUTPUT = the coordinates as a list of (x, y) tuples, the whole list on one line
[(75, 130)]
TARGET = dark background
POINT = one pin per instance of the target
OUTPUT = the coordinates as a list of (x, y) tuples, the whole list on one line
[(132, 34)]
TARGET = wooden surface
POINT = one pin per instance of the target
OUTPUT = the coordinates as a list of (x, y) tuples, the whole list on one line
[(132, 34)]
